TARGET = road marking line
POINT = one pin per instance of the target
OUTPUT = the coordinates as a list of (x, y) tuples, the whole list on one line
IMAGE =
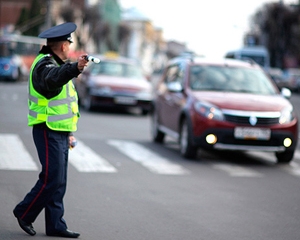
[(84, 159), (292, 168), (236, 171), (147, 158), (14, 155), (297, 155)]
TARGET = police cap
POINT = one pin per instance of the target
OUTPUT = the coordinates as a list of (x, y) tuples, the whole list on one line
[(60, 32)]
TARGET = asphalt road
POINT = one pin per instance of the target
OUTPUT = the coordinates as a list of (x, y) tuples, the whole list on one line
[(123, 195)]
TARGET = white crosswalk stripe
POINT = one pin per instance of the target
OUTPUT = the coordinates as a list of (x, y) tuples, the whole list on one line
[(236, 170), (293, 168), (14, 155), (85, 159), (147, 158)]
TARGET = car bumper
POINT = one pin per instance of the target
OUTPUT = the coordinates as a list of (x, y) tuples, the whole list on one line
[(6, 74), (227, 141), (121, 101), (10, 74)]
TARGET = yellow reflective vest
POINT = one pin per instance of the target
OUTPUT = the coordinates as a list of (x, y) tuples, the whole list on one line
[(60, 113)]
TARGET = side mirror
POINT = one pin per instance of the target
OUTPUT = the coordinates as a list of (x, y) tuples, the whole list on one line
[(285, 92), (174, 87)]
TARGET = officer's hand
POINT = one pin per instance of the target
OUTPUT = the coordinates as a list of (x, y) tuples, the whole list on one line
[(72, 142), (82, 62)]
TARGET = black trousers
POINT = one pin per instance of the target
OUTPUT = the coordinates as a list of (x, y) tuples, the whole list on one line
[(48, 192)]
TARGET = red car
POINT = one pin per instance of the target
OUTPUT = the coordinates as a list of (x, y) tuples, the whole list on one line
[(114, 82), (225, 104)]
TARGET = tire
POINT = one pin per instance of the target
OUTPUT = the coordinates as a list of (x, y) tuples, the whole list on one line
[(144, 112), (157, 135), (21, 76), (284, 157), (16, 75), (187, 149)]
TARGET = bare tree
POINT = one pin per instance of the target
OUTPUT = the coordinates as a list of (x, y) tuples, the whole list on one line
[(277, 27)]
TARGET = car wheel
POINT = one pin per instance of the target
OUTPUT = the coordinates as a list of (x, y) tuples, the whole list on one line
[(145, 112), (88, 103), (187, 149), (157, 135), (16, 75), (284, 157)]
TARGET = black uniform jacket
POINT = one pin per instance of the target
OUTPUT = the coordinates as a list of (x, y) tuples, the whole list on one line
[(50, 75)]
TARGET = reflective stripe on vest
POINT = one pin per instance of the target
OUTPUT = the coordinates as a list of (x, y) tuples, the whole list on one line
[(44, 110), (55, 118), (53, 103)]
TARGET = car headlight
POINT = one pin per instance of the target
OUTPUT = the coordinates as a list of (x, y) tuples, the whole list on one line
[(208, 110), (100, 90), (286, 115), (145, 95)]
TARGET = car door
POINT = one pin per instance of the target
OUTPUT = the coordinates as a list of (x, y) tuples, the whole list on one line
[(172, 98)]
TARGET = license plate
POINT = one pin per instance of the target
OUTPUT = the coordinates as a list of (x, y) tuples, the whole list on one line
[(125, 100), (252, 133)]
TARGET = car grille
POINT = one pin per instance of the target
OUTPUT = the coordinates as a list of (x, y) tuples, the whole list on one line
[(251, 118), (245, 120)]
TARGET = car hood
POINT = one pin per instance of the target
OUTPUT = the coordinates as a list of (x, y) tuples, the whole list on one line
[(121, 83), (242, 101)]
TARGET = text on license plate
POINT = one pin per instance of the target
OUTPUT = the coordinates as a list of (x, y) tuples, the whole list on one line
[(252, 133), (125, 100)]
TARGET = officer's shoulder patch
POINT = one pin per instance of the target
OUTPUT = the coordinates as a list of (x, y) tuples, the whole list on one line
[(50, 65)]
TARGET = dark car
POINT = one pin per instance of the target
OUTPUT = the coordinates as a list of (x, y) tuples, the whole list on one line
[(223, 105), (114, 82), (278, 78), (292, 78)]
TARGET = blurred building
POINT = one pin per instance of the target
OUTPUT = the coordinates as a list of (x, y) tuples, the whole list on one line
[(10, 11), (128, 32), (141, 42), (175, 48)]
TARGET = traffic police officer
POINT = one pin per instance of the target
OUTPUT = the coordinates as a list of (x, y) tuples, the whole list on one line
[(53, 114)]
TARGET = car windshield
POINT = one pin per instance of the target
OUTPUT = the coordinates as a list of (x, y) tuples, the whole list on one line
[(230, 79), (116, 69)]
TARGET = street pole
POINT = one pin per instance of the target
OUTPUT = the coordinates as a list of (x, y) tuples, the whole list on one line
[(48, 14)]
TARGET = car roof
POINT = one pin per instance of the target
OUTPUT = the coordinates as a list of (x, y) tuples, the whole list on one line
[(216, 61), (116, 58)]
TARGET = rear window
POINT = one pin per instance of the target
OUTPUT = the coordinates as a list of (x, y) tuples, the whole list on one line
[(116, 69)]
